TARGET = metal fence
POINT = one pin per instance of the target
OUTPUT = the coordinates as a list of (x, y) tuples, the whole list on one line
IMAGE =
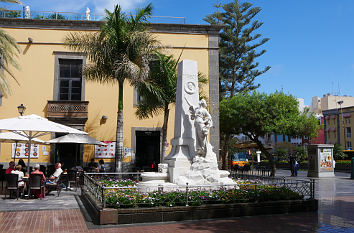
[(54, 15), (186, 195)]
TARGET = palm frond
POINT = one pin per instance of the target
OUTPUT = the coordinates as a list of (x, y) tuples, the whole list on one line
[(9, 52)]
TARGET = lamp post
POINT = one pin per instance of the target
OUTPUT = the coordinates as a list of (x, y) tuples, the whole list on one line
[(21, 109), (341, 113)]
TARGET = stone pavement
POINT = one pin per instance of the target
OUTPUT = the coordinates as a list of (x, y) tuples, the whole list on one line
[(336, 205)]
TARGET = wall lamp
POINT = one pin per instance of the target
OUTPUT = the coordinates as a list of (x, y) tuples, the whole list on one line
[(21, 109)]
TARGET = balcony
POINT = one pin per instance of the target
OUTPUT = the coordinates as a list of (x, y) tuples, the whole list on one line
[(68, 112)]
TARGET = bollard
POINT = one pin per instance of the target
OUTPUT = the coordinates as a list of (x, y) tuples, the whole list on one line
[(352, 169)]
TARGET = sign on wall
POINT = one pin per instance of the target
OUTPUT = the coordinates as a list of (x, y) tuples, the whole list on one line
[(106, 151), (21, 151)]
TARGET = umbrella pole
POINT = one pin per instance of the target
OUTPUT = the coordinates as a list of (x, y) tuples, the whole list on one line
[(29, 152), (15, 151)]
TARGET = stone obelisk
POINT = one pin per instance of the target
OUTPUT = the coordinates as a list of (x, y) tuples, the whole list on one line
[(183, 144)]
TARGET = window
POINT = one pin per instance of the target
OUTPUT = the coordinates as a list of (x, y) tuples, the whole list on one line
[(70, 79), (347, 120), (349, 132), (349, 145)]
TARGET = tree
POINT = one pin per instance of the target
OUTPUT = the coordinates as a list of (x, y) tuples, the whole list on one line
[(239, 48), (9, 52), (121, 50), (338, 152), (257, 114), (56, 16), (159, 91)]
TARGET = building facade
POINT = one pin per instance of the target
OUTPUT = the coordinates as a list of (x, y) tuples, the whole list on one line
[(52, 86), (338, 125)]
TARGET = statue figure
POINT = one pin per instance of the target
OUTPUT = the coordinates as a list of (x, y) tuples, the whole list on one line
[(87, 14), (202, 122), (27, 12)]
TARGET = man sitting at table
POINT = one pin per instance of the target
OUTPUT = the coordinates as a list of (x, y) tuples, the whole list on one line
[(55, 177), (11, 167)]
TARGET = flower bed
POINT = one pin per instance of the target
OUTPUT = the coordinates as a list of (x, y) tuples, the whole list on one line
[(129, 197)]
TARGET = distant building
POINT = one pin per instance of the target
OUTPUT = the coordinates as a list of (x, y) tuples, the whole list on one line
[(338, 124), (329, 101)]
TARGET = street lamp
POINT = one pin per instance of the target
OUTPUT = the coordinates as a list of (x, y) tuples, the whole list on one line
[(340, 102), (21, 109)]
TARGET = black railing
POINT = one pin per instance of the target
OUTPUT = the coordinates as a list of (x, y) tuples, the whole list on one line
[(251, 189)]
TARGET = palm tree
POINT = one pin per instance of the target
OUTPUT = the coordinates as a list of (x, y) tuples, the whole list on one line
[(121, 50), (8, 53), (159, 91)]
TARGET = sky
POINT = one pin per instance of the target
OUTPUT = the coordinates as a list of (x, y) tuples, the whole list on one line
[(311, 46)]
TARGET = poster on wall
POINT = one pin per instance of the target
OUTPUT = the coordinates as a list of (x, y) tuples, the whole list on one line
[(21, 151), (106, 151), (326, 160), (128, 155)]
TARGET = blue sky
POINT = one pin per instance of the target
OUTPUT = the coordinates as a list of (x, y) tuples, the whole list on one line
[(311, 47)]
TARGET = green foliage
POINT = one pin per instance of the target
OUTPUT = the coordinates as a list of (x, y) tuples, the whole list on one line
[(300, 153), (257, 114), (338, 152), (56, 16), (9, 53), (121, 50), (130, 198), (239, 46), (281, 153), (159, 90)]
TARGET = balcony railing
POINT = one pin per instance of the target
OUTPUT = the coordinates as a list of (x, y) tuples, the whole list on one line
[(67, 110), (54, 15)]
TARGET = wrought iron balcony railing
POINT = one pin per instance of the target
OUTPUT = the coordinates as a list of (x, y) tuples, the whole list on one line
[(67, 109)]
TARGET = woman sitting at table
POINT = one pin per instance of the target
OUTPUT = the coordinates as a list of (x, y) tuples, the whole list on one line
[(21, 184)]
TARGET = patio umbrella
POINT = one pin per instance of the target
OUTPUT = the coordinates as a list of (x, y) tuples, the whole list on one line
[(77, 138), (11, 137), (31, 126)]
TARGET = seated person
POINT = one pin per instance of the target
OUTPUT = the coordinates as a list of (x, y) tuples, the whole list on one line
[(21, 184), (37, 193), (23, 164), (93, 166), (55, 177), (101, 166), (11, 167)]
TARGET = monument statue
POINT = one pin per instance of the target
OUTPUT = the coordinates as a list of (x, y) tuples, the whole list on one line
[(203, 123), (191, 160)]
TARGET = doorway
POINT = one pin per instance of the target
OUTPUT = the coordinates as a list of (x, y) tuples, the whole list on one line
[(67, 153), (147, 152)]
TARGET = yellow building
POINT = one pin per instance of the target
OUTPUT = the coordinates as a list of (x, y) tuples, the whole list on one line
[(52, 86), (338, 124)]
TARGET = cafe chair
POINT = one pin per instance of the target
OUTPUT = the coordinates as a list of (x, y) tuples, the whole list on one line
[(58, 186), (35, 183), (73, 177), (12, 184)]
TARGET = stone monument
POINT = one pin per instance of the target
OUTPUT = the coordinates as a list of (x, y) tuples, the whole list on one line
[(191, 159)]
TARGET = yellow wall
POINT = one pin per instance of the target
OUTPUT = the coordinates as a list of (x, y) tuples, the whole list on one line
[(36, 79)]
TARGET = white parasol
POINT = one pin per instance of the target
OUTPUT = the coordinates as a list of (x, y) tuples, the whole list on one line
[(31, 126)]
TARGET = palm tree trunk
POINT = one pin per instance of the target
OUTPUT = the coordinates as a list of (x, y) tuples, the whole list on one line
[(119, 132), (225, 153), (164, 133)]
